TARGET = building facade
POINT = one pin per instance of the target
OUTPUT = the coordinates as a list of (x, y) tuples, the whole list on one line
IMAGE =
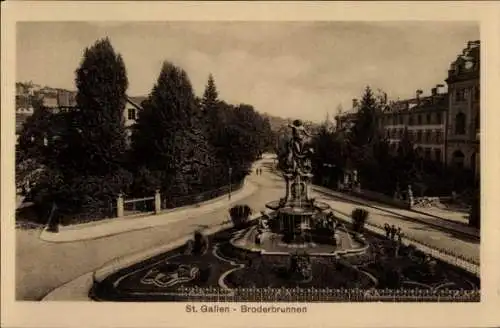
[(444, 126), (132, 108), (464, 110), (345, 120), (60, 100), (423, 119)]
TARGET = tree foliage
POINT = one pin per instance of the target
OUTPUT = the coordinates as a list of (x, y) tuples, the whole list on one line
[(237, 134), (169, 139), (90, 151), (181, 144)]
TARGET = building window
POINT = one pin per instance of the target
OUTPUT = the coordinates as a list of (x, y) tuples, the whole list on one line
[(428, 119), (438, 118), (419, 136), (410, 120), (427, 154), (460, 95), (418, 152), (131, 113), (477, 94), (477, 121), (388, 133), (401, 119), (458, 158), (460, 124), (439, 137), (428, 136), (437, 155), (419, 119)]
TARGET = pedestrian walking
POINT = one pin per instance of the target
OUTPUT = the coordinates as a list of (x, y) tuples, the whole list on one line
[(393, 232), (387, 229)]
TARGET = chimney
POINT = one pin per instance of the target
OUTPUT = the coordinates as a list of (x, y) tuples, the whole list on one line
[(418, 93), (354, 103), (440, 89), (434, 91)]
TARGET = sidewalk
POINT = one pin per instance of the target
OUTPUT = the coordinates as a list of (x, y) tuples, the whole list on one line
[(416, 215), (468, 266), (110, 227), (451, 215)]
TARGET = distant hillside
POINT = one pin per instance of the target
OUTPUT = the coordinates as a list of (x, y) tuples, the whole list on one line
[(276, 122), (279, 123)]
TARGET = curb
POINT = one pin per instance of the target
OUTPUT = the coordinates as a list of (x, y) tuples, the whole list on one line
[(434, 216), (78, 289), (403, 216), (136, 223)]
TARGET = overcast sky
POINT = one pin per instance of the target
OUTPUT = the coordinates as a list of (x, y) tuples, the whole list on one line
[(288, 69)]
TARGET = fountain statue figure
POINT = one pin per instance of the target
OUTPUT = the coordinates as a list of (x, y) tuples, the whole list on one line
[(297, 166), (298, 156)]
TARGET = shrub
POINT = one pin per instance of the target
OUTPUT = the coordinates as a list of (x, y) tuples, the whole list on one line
[(359, 218), (240, 214), (200, 245)]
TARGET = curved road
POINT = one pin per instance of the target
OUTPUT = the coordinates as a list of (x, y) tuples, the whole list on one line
[(42, 266)]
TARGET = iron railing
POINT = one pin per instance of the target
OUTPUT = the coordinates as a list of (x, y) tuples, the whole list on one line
[(139, 205), (170, 202)]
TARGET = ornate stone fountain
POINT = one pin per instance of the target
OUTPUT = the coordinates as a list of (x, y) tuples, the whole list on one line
[(296, 211)]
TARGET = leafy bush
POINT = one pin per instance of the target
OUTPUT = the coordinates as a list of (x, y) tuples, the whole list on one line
[(359, 218), (240, 214)]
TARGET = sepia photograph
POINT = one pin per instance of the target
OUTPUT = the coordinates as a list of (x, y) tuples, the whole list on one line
[(250, 167)]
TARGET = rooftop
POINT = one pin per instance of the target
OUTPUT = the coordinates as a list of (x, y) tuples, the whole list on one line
[(467, 64)]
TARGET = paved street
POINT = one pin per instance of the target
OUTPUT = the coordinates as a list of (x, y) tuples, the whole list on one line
[(43, 266)]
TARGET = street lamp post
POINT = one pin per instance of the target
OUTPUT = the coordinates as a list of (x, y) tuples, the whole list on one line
[(230, 181)]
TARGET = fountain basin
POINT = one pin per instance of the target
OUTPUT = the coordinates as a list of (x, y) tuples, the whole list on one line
[(316, 206), (271, 244)]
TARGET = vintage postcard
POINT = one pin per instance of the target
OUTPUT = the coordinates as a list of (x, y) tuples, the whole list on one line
[(249, 164)]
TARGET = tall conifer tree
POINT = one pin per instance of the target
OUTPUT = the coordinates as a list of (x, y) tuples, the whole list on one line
[(169, 139), (94, 140)]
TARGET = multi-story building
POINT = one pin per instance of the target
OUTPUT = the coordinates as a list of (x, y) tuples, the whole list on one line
[(132, 108), (24, 96), (464, 110), (423, 118), (443, 126), (59, 100), (345, 120)]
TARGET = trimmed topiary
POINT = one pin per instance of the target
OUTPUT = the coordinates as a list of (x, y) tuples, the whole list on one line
[(240, 214), (359, 218)]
